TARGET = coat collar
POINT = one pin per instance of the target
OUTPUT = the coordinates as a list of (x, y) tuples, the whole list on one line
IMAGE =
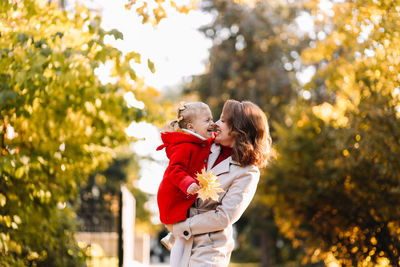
[(195, 134), (223, 166)]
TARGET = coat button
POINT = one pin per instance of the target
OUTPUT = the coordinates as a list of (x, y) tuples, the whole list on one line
[(203, 145), (205, 161), (185, 233)]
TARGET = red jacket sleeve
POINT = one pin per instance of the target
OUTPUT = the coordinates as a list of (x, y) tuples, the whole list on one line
[(178, 167)]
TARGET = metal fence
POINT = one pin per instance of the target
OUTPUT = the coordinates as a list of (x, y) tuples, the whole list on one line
[(99, 225)]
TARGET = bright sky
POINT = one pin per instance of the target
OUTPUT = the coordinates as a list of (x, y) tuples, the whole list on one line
[(176, 47)]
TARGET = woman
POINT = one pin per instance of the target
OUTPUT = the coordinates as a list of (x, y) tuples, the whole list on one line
[(241, 146)]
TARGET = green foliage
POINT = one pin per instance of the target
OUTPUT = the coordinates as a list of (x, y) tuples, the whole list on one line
[(58, 124), (335, 184)]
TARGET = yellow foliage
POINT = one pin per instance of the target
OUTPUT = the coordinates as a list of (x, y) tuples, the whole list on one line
[(209, 185), (250, 3), (153, 11), (334, 114), (60, 123), (356, 52)]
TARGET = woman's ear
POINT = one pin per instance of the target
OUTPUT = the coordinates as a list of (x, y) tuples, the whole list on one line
[(189, 126)]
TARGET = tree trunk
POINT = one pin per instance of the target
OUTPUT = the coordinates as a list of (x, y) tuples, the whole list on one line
[(266, 249)]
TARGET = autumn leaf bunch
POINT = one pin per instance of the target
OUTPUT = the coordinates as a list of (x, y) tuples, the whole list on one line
[(209, 185)]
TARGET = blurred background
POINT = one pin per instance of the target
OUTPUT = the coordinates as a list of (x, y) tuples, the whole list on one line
[(86, 86)]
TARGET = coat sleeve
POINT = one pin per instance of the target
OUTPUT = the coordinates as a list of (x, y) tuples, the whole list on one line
[(231, 208), (179, 160)]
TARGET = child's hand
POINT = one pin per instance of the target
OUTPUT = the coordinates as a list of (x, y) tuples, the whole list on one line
[(193, 189)]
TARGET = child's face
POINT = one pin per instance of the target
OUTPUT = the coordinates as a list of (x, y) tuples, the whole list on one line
[(203, 123)]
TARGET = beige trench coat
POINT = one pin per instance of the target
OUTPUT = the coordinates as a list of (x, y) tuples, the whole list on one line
[(208, 231)]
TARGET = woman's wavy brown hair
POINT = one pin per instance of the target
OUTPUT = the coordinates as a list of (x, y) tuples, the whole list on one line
[(249, 125)]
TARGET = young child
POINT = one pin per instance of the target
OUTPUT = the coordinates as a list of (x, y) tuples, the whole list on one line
[(188, 148)]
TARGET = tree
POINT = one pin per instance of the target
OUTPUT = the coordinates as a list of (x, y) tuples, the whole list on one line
[(58, 124), (254, 56), (335, 184)]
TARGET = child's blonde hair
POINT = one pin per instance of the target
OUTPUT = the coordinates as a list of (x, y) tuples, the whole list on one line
[(186, 114)]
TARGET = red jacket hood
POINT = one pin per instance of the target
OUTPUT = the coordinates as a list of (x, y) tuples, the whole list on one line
[(174, 138)]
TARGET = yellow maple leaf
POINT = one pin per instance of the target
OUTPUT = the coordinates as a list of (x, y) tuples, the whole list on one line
[(209, 185)]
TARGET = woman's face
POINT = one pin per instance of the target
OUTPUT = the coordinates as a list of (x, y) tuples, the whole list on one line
[(224, 136)]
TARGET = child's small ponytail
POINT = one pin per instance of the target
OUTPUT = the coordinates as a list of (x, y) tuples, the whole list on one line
[(175, 124)]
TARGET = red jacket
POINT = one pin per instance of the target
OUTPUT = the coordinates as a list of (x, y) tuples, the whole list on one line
[(187, 155)]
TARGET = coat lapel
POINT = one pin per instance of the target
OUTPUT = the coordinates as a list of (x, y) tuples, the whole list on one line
[(222, 167)]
